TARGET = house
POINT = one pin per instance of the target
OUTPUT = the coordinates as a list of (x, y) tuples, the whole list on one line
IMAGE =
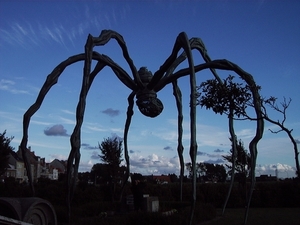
[(57, 167), (38, 166), (60, 165), (159, 179), (16, 168), (264, 178), (34, 162)]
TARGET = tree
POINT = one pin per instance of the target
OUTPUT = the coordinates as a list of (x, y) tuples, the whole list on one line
[(111, 153), (100, 173), (224, 98), (199, 171), (271, 102), (208, 171), (233, 99), (5, 149), (173, 178), (215, 172), (138, 185), (216, 98), (242, 164), (229, 98), (242, 161)]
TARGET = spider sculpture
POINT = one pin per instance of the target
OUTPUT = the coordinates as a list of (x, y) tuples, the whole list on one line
[(144, 87)]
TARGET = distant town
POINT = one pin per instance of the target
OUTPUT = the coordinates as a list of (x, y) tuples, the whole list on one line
[(52, 170), (39, 167)]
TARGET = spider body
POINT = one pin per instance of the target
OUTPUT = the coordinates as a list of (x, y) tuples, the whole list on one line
[(144, 87), (147, 100)]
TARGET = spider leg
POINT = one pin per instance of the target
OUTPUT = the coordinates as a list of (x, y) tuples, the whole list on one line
[(183, 42), (195, 43), (248, 78), (234, 153), (253, 152), (178, 97), (127, 125), (51, 80), (180, 42), (74, 155), (87, 80), (193, 143), (105, 37), (75, 140), (104, 60)]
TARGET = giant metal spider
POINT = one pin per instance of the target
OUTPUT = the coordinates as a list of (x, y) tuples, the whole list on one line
[(144, 87)]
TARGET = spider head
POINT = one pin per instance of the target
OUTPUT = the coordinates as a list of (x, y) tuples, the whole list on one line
[(147, 100)]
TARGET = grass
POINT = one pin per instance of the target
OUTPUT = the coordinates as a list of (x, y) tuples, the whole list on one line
[(257, 216)]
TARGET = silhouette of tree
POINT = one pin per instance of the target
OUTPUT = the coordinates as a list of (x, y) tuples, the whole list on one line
[(5, 149), (242, 161), (198, 170), (215, 172), (216, 98), (100, 173), (233, 99), (208, 172), (229, 98), (173, 177), (111, 153), (272, 103), (138, 185)]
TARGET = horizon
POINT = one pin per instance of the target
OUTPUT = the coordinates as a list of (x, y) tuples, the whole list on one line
[(259, 173)]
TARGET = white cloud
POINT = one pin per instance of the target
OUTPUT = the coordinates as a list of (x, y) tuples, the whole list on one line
[(283, 170), (245, 134), (95, 128), (8, 82), (26, 34), (40, 123), (52, 146), (154, 164), (85, 166), (10, 116), (68, 112), (9, 85), (117, 130), (67, 121)]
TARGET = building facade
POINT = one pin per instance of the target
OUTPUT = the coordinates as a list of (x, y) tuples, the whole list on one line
[(38, 166)]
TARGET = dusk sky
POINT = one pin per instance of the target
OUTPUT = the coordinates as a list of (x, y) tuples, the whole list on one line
[(262, 37)]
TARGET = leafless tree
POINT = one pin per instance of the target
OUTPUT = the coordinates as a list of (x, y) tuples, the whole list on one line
[(282, 109)]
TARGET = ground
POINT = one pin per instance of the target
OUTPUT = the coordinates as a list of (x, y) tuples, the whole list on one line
[(258, 216)]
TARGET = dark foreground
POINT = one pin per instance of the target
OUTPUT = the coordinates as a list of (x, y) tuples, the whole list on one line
[(258, 216)]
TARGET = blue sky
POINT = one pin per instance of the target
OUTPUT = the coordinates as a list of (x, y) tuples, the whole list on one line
[(262, 37)]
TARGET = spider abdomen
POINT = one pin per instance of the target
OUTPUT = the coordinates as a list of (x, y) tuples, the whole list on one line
[(147, 100), (148, 103)]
